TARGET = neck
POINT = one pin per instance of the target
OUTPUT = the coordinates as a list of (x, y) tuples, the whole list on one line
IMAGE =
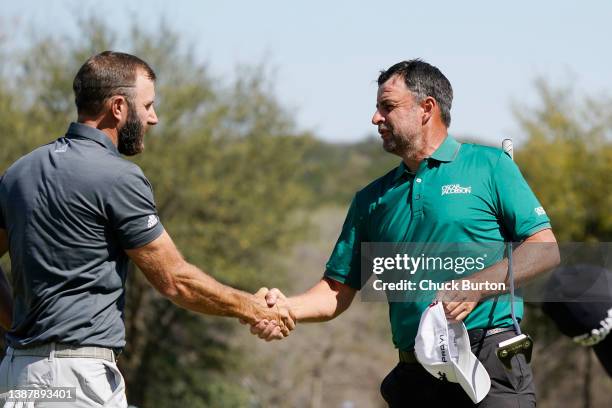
[(431, 140), (102, 125)]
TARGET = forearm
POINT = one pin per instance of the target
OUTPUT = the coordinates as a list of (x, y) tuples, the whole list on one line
[(309, 307), (6, 303), (199, 292), (189, 287), (536, 255), (323, 302)]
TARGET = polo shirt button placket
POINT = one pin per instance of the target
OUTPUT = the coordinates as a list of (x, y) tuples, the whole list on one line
[(417, 201)]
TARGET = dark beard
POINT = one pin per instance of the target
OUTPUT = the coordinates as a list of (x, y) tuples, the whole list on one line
[(131, 135)]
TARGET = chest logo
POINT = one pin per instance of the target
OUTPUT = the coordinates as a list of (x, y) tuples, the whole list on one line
[(456, 189)]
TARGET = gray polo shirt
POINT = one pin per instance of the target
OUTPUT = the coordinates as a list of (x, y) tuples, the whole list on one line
[(70, 209)]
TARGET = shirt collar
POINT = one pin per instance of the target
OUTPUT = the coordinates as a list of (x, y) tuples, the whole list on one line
[(88, 132), (446, 152), (400, 171)]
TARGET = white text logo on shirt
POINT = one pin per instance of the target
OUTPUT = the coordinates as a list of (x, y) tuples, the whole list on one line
[(540, 211), (456, 189), (152, 221)]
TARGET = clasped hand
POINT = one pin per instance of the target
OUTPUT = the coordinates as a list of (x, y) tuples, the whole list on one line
[(277, 319)]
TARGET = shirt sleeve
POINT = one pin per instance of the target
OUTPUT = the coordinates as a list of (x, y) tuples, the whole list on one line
[(344, 265), (520, 212), (131, 210)]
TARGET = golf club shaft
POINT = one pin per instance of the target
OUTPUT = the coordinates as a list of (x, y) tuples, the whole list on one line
[(508, 147)]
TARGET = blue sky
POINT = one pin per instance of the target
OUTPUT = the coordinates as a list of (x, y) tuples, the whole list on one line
[(325, 55)]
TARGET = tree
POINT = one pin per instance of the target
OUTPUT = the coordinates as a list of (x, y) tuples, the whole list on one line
[(225, 166), (567, 160)]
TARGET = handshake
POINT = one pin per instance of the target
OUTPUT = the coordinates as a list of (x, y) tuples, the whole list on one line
[(274, 319)]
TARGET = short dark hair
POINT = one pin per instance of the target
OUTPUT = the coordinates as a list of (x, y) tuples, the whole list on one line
[(423, 80), (105, 75)]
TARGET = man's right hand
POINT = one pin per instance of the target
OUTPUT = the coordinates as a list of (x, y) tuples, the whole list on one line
[(276, 320), (283, 320)]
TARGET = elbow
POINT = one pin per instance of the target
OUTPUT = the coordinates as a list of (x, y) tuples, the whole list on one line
[(170, 291), (343, 297), (555, 256), (329, 314), (168, 285), (178, 286), (548, 248), (341, 306)]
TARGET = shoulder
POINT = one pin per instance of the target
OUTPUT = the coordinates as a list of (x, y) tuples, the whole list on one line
[(482, 151), (481, 155), (125, 173), (127, 168), (24, 162), (27, 158), (376, 189)]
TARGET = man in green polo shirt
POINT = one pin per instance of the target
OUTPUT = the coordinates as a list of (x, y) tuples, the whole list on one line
[(443, 191)]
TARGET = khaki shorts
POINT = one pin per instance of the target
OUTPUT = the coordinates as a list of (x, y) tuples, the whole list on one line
[(97, 382)]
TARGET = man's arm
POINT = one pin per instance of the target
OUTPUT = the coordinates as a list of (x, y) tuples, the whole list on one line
[(6, 299), (324, 301), (328, 297), (537, 254), (190, 288)]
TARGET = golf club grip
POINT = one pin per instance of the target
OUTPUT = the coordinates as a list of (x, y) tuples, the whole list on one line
[(508, 147)]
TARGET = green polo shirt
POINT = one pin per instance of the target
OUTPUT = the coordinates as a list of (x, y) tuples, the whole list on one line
[(462, 193)]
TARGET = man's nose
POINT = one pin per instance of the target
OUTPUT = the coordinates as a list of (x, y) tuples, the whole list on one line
[(377, 118), (153, 118)]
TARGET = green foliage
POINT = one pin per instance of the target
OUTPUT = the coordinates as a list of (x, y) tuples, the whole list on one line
[(225, 166), (567, 160), (235, 183), (336, 171)]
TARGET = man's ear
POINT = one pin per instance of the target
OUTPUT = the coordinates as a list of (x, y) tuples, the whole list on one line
[(429, 106), (118, 108)]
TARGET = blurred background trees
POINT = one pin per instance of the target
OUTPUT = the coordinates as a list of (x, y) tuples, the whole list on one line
[(567, 159), (254, 201), (225, 162)]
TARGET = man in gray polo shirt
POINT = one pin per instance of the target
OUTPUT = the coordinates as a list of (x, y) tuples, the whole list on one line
[(72, 213)]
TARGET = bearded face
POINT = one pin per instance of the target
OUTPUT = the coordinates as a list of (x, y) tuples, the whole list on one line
[(402, 135), (398, 117), (131, 135)]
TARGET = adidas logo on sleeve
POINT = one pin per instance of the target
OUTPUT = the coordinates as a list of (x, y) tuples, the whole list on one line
[(152, 221)]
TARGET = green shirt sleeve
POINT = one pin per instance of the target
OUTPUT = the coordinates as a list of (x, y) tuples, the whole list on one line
[(344, 265), (520, 211)]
